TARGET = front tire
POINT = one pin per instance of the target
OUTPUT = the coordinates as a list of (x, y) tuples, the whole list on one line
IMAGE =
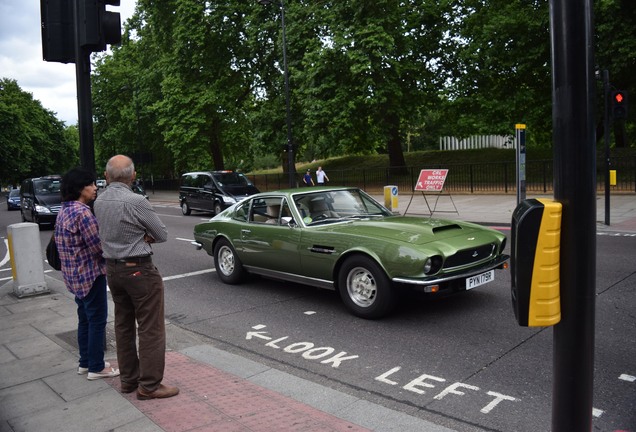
[(365, 289), (227, 263), (185, 209), (217, 208)]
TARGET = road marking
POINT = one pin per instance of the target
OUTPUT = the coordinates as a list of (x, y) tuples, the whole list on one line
[(184, 275), (306, 349), (615, 234), (6, 257), (423, 381), (628, 378)]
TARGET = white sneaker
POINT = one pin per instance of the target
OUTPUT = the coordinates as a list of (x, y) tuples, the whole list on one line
[(107, 374), (84, 371)]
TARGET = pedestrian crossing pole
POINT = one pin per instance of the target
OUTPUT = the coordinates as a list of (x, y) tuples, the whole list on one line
[(573, 99), (520, 136)]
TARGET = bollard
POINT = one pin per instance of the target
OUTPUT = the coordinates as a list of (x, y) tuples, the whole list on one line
[(391, 198), (25, 253)]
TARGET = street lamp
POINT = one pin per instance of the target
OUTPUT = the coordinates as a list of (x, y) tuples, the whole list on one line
[(290, 146)]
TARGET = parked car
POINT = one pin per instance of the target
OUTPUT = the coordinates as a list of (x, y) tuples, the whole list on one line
[(41, 200), (100, 183), (13, 199), (139, 189), (213, 191), (342, 239)]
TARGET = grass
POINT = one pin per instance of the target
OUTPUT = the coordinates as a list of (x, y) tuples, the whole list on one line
[(437, 157)]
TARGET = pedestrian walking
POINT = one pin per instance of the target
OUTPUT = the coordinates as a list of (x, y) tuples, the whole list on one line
[(321, 176), (307, 179), (128, 226), (83, 269)]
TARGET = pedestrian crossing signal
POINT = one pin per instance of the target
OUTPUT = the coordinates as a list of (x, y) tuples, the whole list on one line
[(619, 104)]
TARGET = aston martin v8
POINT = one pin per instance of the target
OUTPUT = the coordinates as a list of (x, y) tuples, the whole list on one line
[(340, 238)]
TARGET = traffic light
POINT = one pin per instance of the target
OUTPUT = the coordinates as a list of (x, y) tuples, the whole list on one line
[(58, 31), (619, 104), (97, 26)]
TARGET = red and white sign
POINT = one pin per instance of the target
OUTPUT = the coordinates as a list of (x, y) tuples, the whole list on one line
[(431, 180)]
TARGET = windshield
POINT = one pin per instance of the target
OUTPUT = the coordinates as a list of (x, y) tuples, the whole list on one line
[(14, 193), (336, 205), (46, 186), (231, 178)]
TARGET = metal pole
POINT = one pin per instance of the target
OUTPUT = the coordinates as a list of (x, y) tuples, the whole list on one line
[(290, 146), (573, 96), (84, 102), (520, 135), (606, 135)]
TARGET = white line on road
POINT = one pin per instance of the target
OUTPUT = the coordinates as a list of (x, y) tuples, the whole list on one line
[(626, 377), (184, 275)]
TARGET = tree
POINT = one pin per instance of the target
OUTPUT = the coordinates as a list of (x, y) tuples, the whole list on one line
[(499, 68), (33, 141)]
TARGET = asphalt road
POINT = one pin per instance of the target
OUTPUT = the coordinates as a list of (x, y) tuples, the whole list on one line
[(461, 362)]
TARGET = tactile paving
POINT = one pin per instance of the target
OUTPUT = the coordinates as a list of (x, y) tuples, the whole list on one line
[(213, 400)]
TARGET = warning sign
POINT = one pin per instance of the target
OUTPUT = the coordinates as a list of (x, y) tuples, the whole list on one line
[(431, 180)]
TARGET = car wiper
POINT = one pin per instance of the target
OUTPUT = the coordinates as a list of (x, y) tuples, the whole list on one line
[(361, 216)]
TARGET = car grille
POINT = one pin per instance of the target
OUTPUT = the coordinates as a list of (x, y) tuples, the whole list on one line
[(468, 256), (55, 209)]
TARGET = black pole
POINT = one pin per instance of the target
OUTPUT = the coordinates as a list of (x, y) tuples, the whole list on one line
[(573, 84), (84, 102), (291, 160), (606, 137), (290, 145)]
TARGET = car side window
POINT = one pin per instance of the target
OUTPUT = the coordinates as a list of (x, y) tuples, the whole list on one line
[(266, 210), (242, 211)]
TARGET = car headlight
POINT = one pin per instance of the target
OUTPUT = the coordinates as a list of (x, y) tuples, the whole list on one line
[(503, 245), (42, 209), (432, 265), (228, 200)]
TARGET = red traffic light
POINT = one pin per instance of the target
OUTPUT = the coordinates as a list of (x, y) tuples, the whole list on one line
[(619, 104), (618, 97)]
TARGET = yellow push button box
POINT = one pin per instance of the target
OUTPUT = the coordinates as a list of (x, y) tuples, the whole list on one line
[(534, 262)]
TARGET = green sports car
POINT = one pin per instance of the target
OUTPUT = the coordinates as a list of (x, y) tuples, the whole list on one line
[(340, 238)]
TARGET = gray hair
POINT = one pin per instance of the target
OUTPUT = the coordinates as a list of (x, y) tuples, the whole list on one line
[(120, 168)]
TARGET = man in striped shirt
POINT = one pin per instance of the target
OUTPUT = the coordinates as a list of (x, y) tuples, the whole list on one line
[(128, 225)]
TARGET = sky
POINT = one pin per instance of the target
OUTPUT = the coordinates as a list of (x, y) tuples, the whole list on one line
[(52, 83)]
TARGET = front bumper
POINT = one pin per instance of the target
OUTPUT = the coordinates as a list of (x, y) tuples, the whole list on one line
[(498, 262)]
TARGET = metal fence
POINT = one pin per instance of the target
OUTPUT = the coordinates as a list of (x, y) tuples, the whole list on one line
[(496, 177)]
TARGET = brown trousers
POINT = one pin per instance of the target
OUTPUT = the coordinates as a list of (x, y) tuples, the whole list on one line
[(137, 292)]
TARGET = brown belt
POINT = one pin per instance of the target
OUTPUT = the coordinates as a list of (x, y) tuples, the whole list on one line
[(130, 260)]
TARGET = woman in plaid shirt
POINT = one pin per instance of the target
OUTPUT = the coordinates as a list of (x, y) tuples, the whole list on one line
[(84, 269)]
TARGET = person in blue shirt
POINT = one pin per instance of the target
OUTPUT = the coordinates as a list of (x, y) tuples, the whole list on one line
[(307, 179)]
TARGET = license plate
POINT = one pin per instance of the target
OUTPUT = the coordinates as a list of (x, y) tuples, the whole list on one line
[(480, 279)]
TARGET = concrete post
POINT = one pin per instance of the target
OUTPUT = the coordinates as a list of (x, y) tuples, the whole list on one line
[(25, 253)]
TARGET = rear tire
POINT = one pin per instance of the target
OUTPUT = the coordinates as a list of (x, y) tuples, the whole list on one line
[(365, 289), (227, 263)]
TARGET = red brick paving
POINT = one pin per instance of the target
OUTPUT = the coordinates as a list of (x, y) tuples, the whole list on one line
[(212, 400)]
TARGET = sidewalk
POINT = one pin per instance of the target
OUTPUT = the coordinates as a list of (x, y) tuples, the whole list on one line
[(220, 391), (40, 389)]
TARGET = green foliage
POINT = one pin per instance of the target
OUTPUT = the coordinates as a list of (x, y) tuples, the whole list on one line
[(202, 84), (33, 141)]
